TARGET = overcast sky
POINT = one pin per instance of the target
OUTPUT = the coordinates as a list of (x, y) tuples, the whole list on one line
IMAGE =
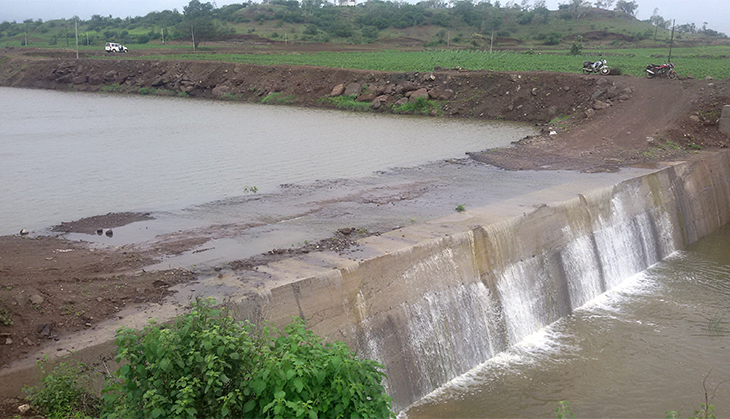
[(715, 12)]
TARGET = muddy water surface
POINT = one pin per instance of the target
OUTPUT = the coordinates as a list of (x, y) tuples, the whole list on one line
[(635, 352), (64, 156)]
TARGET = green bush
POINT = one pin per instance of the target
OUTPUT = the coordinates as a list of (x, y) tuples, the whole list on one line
[(420, 106), (349, 103), (206, 365), (60, 395)]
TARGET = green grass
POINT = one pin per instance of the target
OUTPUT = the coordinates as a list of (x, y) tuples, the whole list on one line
[(698, 62), (278, 99), (348, 103)]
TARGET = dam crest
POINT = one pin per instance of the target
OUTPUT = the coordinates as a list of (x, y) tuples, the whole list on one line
[(440, 298)]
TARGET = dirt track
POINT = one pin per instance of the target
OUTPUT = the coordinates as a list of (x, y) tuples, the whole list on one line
[(51, 287)]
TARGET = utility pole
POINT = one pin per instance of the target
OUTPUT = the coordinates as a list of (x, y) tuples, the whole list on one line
[(192, 32), (76, 22), (671, 41), (162, 31), (491, 43)]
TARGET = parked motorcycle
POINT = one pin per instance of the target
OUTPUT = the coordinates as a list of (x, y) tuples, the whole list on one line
[(599, 66), (666, 69)]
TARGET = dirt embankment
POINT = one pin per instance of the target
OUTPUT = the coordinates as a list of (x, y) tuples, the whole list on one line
[(50, 287)]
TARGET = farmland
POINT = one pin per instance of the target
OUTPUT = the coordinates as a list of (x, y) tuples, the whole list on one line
[(698, 62)]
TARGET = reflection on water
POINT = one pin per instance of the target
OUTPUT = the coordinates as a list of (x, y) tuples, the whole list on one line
[(67, 155), (636, 352)]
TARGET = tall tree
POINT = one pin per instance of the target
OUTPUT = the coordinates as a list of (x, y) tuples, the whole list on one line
[(628, 7), (198, 21)]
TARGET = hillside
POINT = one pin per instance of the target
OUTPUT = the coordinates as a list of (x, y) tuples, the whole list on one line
[(373, 24)]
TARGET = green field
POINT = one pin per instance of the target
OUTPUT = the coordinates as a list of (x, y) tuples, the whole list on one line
[(698, 62)]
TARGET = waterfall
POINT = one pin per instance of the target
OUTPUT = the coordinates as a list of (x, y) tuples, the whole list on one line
[(438, 299)]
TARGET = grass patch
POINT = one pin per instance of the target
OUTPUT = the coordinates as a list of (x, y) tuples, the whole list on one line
[(110, 87), (278, 98), (348, 103), (147, 90), (420, 106)]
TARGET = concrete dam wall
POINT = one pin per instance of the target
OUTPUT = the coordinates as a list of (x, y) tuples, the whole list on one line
[(432, 301)]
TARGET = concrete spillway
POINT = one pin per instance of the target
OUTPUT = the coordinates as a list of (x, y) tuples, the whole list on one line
[(437, 299), (433, 300)]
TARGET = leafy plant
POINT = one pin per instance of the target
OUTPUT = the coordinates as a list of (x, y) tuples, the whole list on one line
[(460, 208), (208, 365), (60, 395), (5, 318), (251, 189), (563, 411)]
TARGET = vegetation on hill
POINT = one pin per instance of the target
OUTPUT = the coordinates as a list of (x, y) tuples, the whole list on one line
[(429, 23)]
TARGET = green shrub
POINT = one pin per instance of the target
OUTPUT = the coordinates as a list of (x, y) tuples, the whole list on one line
[(60, 395), (348, 103), (420, 106), (206, 365)]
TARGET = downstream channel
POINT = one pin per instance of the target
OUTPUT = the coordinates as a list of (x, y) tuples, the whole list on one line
[(637, 351)]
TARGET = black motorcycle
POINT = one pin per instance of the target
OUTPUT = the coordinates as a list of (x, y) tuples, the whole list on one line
[(667, 69), (599, 66)]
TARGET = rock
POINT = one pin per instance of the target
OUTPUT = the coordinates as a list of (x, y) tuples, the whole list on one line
[(725, 120), (438, 93), (366, 97), (45, 330), (597, 94), (533, 91), (24, 409), (353, 89), (589, 112), (80, 79), (109, 233), (220, 91), (99, 231), (36, 299), (338, 90), (422, 92), (694, 118), (401, 101), (598, 105), (8, 341), (406, 87), (110, 75), (378, 102), (24, 232)]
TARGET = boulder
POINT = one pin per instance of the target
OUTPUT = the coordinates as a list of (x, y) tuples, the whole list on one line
[(422, 92), (725, 120), (378, 102), (353, 89), (366, 97), (338, 90), (220, 91), (598, 105), (401, 101), (438, 93), (81, 79)]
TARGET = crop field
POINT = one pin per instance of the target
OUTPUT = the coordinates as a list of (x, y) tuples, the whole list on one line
[(697, 62)]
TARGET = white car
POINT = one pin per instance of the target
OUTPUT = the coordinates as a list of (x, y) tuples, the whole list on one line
[(114, 47)]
